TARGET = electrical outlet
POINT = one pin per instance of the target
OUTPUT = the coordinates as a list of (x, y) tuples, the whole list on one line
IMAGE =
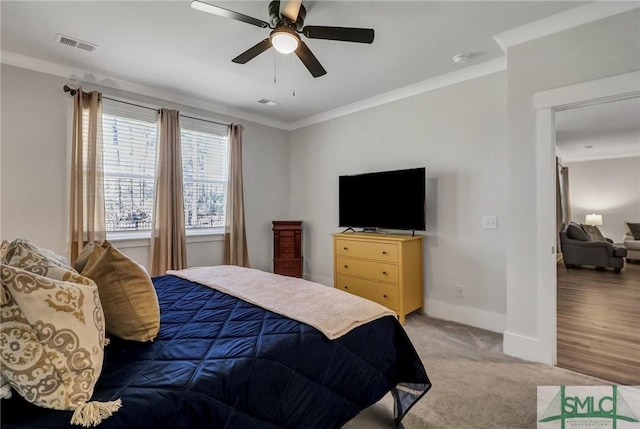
[(460, 291)]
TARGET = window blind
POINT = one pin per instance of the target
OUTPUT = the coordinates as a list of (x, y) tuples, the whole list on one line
[(129, 137), (204, 175), (129, 172)]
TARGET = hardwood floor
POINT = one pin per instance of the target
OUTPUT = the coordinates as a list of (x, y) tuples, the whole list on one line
[(599, 322)]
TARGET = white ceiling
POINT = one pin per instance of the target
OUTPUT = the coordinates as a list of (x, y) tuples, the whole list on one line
[(599, 131), (171, 47)]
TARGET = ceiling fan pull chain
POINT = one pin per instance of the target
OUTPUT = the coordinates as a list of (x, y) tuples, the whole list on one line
[(274, 66), (293, 74)]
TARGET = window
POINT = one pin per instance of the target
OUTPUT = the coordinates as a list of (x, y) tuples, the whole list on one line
[(204, 176), (129, 141), (129, 147)]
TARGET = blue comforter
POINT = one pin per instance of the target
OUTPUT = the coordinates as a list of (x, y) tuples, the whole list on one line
[(220, 362)]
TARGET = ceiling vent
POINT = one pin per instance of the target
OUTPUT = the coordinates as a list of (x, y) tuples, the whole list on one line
[(267, 102), (75, 43)]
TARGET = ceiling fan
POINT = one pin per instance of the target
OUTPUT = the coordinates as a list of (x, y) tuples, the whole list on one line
[(287, 22)]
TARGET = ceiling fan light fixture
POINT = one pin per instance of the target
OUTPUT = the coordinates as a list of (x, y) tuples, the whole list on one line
[(284, 40)]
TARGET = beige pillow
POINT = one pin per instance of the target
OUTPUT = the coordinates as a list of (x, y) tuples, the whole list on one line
[(127, 294), (52, 340), (83, 257)]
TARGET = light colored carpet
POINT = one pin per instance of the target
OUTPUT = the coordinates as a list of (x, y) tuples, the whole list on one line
[(475, 385)]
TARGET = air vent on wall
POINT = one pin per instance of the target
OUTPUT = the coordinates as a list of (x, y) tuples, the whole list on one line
[(75, 43)]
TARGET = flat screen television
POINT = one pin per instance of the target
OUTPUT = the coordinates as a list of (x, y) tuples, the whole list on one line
[(385, 199)]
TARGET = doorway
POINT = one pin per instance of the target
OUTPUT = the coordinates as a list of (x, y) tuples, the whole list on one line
[(546, 104), (598, 325)]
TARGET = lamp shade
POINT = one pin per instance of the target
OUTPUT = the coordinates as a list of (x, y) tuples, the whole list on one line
[(593, 219)]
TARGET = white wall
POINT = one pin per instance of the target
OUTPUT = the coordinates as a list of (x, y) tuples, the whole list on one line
[(608, 187), (34, 171), (603, 48), (459, 134)]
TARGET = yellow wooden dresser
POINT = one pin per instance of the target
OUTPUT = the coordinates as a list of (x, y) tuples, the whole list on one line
[(385, 268)]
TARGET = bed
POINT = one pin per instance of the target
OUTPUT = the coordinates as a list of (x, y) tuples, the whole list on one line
[(222, 362)]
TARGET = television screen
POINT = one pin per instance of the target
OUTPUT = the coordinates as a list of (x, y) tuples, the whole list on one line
[(386, 199)]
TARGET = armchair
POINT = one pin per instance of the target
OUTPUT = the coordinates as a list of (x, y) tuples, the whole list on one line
[(585, 245), (631, 240)]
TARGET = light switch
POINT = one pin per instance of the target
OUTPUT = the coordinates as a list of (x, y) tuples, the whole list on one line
[(490, 222)]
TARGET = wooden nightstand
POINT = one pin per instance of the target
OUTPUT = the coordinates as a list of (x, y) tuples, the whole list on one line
[(287, 247)]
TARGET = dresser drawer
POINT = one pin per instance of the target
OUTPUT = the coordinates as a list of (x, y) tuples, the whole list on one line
[(382, 293), (370, 270), (385, 252), (291, 267)]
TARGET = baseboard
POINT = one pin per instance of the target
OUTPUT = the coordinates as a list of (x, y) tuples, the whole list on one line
[(327, 281), (523, 347), (490, 321)]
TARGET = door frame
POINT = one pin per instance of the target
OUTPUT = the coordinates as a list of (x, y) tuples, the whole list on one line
[(546, 104)]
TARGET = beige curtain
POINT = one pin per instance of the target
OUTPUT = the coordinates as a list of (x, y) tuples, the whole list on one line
[(235, 239), (87, 219), (566, 196), (566, 200), (563, 204), (168, 240)]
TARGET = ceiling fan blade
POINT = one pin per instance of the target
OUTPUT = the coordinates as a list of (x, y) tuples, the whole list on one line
[(226, 13), (309, 60), (344, 34), (290, 8), (252, 52)]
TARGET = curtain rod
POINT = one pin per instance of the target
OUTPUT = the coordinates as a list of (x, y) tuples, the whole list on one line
[(73, 91)]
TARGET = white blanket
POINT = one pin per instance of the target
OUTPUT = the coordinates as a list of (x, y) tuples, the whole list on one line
[(331, 311)]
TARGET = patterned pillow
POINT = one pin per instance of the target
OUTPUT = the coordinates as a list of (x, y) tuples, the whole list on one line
[(127, 294), (4, 250), (52, 333), (28, 250), (23, 254)]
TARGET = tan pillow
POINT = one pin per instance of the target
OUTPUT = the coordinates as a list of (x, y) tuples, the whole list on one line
[(83, 257), (127, 294), (52, 340)]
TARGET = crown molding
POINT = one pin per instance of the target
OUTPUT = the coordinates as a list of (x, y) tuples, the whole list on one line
[(468, 73), (564, 20), (552, 24), (570, 159), (76, 75)]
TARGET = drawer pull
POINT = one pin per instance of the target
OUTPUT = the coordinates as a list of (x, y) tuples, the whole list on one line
[(346, 266), (384, 273), (345, 248), (346, 287), (384, 296), (384, 252)]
